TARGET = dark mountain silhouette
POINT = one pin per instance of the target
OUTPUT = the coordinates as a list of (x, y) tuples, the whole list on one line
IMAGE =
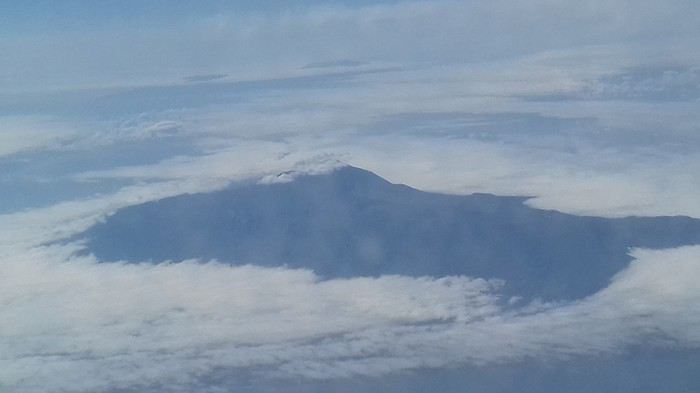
[(353, 223)]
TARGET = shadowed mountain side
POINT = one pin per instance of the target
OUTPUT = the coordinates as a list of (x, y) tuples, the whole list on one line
[(351, 223)]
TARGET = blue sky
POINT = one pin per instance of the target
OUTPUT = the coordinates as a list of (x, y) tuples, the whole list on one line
[(588, 108)]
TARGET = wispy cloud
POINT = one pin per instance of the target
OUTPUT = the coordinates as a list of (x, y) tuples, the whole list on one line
[(239, 43), (568, 178), (642, 84), (30, 133)]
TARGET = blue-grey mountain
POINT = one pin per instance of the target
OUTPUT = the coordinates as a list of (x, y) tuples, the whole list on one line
[(352, 223)]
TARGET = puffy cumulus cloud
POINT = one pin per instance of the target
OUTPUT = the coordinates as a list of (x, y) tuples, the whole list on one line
[(71, 324)]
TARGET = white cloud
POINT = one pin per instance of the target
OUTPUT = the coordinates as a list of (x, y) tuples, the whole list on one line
[(30, 133), (71, 324), (635, 181), (641, 156), (83, 317), (442, 31), (632, 181)]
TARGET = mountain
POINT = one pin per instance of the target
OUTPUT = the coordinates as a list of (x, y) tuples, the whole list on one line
[(351, 222)]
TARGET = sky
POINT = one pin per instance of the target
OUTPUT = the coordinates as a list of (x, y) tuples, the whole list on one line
[(587, 108)]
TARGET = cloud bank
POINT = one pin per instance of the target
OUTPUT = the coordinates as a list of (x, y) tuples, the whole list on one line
[(75, 325)]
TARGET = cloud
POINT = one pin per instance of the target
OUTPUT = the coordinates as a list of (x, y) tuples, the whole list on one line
[(236, 43), (80, 315), (456, 129), (643, 84), (243, 162), (204, 78), (336, 64), (569, 178), (71, 324), (31, 133)]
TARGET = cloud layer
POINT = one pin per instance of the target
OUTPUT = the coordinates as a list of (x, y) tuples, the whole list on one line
[(75, 325), (231, 41)]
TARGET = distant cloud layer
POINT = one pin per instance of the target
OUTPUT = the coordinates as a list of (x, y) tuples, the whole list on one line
[(228, 41)]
